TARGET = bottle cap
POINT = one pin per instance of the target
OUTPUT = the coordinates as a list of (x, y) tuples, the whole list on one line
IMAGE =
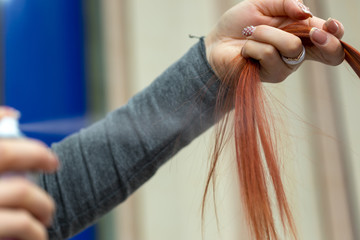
[(9, 128)]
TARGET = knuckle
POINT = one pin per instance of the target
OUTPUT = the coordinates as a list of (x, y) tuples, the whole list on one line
[(335, 57), (337, 62), (23, 188), (269, 52), (340, 59), (294, 47), (27, 224), (25, 221)]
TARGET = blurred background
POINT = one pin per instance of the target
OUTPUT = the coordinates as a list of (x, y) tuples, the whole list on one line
[(65, 63)]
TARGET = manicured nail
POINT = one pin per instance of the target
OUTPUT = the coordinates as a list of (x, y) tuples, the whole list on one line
[(332, 26), (318, 36), (248, 31), (304, 8)]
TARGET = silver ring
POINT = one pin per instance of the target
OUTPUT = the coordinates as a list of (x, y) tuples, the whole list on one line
[(297, 60)]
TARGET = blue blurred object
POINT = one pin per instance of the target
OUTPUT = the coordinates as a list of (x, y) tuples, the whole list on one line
[(89, 234), (42, 50), (44, 58)]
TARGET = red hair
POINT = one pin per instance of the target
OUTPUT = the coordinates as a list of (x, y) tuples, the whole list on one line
[(256, 158)]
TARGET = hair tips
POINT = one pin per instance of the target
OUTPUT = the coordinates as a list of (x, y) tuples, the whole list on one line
[(256, 157)]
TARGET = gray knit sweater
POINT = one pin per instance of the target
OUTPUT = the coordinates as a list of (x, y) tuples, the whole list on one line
[(106, 162)]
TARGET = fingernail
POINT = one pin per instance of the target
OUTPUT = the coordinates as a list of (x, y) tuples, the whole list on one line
[(318, 36), (6, 111), (248, 31), (304, 8), (332, 26)]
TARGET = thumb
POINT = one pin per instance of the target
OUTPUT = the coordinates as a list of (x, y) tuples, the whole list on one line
[(278, 9), (296, 9)]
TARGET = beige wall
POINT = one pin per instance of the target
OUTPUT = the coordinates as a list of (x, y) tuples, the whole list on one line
[(145, 37)]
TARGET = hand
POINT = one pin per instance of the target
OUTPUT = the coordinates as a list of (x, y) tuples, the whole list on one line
[(25, 209), (267, 43)]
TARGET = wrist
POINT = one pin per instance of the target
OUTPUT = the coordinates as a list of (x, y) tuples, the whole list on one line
[(210, 42)]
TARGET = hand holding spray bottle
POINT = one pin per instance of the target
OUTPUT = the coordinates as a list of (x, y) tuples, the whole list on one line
[(9, 129)]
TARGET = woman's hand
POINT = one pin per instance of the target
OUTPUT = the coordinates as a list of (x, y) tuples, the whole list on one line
[(266, 42), (25, 209)]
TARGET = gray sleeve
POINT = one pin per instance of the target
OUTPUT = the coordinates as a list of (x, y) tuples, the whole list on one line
[(106, 162)]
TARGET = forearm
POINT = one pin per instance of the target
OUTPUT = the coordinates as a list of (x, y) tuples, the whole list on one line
[(106, 162)]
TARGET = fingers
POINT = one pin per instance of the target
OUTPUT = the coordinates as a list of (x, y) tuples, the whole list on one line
[(287, 44), (18, 193), (25, 209), (297, 10), (293, 9), (266, 44), (273, 68), (8, 112), (331, 25), (25, 155), (334, 27), (18, 224), (330, 49)]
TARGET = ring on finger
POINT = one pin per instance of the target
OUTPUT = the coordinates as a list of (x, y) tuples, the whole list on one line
[(296, 60)]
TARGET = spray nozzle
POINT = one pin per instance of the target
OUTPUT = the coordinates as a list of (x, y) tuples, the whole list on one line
[(9, 124)]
